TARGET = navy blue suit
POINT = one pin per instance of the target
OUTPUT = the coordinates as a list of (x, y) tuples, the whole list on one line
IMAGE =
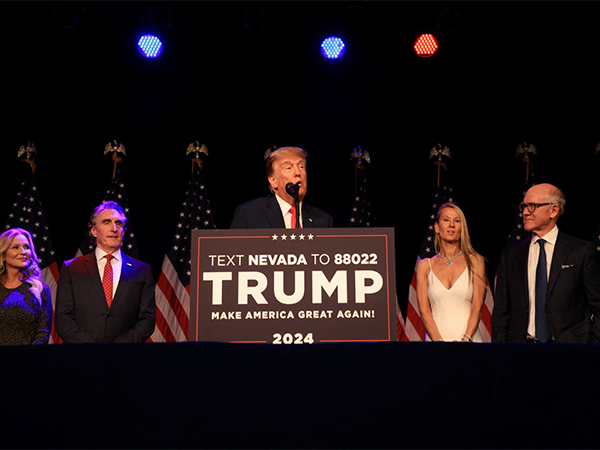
[(573, 293), (82, 314), (265, 212)]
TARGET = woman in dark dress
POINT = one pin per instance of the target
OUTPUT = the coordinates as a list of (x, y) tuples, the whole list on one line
[(25, 302)]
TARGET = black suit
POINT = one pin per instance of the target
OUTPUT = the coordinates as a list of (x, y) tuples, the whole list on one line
[(82, 314), (265, 212), (573, 293)]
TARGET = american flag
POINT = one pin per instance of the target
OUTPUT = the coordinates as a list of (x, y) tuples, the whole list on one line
[(27, 213), (526, 151), (361, 214), (116, 192), (413, 329), (173, 285), (517, 232)]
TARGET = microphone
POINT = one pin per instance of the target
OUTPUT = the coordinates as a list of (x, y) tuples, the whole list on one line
[(293, 190)]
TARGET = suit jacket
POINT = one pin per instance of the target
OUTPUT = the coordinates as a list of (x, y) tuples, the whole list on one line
[(265, 212), (573, 293), (82, 314)]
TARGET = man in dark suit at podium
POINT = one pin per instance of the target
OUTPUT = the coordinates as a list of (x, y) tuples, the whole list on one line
[(284, 166), (548, 285), (105, 296)]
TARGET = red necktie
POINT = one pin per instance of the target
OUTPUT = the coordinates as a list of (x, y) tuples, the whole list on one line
[(107, 280), (293, 211)]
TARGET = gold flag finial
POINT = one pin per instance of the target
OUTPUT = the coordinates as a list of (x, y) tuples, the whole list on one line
[(439, 152), (195, 149), (525, 149), (26, 153), (115, 148)]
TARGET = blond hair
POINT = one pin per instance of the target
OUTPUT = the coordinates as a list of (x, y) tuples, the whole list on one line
[(466, 247), (32, 275)]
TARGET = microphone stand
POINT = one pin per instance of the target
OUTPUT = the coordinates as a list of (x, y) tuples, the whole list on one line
[(294, 190), (297, 203)]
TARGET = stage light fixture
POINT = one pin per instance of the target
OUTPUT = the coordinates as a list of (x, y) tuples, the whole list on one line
[(426, 45), (150, 46), (333, 48)]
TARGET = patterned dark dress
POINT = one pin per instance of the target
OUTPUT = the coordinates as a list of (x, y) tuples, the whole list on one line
[(23, 321)]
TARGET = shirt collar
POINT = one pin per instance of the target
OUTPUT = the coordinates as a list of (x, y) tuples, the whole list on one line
[(285, 206), (101, 254), (549, 237)]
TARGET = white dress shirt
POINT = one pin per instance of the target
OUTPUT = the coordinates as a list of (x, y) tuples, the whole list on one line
[(532, 262), (116, 263), (287, 214)]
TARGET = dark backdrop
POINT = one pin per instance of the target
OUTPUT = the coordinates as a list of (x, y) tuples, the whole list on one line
[(506, 72)]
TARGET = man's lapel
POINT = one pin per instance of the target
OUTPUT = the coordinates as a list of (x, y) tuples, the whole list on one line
[(307, 221), (561, 250), (521, 267), (96, 291), (274, 213), (126, 269)]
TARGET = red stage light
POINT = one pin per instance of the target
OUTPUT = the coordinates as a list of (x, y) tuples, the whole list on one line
[(426, 45)]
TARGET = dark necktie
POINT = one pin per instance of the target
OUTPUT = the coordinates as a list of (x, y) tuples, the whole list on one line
[(542, 331), (107, 280)]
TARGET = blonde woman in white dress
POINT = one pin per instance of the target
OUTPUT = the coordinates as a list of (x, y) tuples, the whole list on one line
[(451, 285)]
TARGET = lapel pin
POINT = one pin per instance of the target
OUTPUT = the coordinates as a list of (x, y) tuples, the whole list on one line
[(128, 264)]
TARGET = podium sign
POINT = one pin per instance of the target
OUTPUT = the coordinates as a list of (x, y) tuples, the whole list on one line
[(293, 286)]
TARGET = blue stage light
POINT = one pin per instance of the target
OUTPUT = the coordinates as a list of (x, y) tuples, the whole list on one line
[(333, 48), (150, 46)]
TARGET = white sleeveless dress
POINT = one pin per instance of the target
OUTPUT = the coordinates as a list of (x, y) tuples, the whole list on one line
[(451, 307)]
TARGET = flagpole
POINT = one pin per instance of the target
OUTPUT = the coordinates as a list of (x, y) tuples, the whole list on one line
[(28, 213), (115, 149), (173, 283), (440, 151), (195, 149), (525, 149)]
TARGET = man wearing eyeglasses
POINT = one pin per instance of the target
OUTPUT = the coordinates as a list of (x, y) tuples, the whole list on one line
[(548, 285)]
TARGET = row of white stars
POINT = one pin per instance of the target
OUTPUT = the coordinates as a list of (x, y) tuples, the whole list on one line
[(293, 237)]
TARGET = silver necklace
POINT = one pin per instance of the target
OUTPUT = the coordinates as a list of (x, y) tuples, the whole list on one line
[(450, 258)]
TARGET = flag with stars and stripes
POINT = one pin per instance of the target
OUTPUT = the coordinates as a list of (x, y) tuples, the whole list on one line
[(413, 329), (517, 232), (116, 192), (361, 214), (172, 290), (27, 213)]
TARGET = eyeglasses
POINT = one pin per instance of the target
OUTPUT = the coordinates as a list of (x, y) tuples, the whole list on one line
[(532, 207)]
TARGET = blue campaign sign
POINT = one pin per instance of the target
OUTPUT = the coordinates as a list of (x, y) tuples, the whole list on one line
[(293, 286)]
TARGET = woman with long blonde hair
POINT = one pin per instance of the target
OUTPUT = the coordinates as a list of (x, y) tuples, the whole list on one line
[(451, 285), (25, 301)]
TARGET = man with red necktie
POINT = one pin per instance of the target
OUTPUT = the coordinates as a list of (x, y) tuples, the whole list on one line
[(284, 165), (105, 296)]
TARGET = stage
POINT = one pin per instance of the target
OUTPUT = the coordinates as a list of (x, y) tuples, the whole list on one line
[(362, 395)]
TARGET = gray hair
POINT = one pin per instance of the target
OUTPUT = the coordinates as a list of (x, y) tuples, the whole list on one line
[(106, 205), (558, 197)]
